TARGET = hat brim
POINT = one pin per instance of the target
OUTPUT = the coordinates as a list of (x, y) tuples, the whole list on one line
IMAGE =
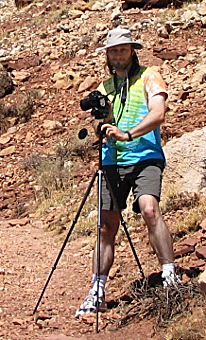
[(136, 45)]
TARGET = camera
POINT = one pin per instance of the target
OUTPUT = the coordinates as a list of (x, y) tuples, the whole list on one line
[(99, 104)]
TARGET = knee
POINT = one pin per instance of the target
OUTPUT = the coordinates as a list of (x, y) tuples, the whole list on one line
[(104, 231), (109, 228), (107, 233), (148, 212), (149, 208)]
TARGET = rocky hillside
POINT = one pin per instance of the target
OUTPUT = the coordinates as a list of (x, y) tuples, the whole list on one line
[(48, 63)]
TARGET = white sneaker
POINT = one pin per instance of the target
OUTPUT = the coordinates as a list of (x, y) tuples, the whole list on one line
[(89, 305), (170, 279)]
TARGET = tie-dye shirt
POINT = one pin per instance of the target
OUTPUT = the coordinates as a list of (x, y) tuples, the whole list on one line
[(144, 86)]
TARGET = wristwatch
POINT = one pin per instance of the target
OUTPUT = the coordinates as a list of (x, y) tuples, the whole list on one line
[(129, 135)]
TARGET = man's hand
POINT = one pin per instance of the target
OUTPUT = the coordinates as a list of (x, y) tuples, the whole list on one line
[(150, 122), (114, 132), (108, 119)]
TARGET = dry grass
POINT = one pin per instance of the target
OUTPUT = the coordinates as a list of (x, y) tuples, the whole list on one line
[(190, 207), (192, 219), (85, 222), (51, 16), (54, 173), (51, 175), (57, 189), (171, 308), (177, 201)]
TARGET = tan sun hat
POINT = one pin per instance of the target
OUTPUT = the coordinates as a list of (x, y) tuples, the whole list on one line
[(119, 36)]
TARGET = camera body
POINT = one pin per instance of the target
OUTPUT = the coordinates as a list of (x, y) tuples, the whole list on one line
[(99, 104)]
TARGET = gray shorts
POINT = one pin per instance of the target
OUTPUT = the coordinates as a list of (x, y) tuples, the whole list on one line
[(144, 178)]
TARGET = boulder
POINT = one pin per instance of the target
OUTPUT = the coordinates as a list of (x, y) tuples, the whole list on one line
[(185, 156), (202, 282)]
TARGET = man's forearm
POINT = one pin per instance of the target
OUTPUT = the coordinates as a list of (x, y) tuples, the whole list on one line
[(149, 123)]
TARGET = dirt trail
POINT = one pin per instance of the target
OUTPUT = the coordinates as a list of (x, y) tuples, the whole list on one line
[(27, 256)]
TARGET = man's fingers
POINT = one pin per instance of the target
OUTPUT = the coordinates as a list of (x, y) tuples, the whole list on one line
[(105, 126)]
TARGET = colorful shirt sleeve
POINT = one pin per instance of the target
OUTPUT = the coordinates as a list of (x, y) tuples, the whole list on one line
[(153, 82)]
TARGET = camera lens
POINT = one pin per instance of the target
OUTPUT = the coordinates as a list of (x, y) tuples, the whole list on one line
[(85, 104)]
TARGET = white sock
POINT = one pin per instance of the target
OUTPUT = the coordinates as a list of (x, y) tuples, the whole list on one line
[(102, 282), (168, 268)]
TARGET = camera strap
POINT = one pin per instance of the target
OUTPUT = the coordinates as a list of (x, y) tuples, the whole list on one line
[(121, 89)]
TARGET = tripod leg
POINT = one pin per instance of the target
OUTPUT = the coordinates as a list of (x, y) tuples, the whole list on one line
[(99, 224), (66, 239), (123, 223)]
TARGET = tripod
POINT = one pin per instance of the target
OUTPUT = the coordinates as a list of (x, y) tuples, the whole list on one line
[(99, 174)]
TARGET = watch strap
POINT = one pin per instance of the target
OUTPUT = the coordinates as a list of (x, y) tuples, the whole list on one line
[(129, 135)]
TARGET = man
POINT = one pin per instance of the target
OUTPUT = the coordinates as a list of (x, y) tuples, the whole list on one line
[(132, 157)]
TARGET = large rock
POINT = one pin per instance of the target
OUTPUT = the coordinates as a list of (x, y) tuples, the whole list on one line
[(202, 282), (186, 157)]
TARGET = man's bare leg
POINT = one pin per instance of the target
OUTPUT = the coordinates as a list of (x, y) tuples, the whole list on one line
[(109, 228), (159, 235), (160, 238)]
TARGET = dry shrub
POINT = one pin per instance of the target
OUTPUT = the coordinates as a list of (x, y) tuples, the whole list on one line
[(148, 299), (167, 305), (191, 208), (75, 149), (50, 174), (178, 201), (55, 185), (192, 219)]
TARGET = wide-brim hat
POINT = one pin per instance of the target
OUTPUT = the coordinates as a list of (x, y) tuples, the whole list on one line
[(119, 36)]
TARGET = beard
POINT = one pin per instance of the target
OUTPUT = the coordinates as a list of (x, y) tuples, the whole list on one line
[(121, 67)]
